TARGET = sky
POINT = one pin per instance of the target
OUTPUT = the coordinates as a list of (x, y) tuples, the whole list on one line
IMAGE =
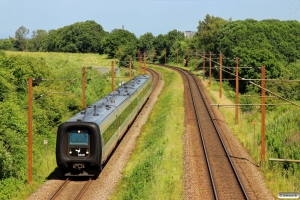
[(137, 16)]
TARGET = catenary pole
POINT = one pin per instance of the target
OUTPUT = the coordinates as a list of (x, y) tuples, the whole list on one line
[(237, 90), (83, 85), (209, 68), (112, 76), (30, 130), (220, 75), (203, 64), (144, 62), (263, 111)]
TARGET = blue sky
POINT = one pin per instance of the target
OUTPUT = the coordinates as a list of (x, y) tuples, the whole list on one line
[(137, 16)]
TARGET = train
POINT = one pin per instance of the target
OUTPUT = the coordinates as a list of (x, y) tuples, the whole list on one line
[(85, 141)]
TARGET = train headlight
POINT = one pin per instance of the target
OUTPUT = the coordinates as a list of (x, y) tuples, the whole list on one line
[(70, 151), (87, 152)]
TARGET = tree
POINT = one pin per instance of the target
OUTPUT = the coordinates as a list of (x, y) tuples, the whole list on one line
[(174, 40), (207, 30), (124, 53), (146, 42), (38, 37), (21, 40), (84, 37), (159, 45), (6, 44), (117, 38)]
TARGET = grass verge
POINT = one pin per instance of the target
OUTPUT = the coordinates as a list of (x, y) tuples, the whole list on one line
[(155, 168)]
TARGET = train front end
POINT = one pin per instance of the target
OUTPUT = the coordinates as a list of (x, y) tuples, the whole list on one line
[(78, 149)]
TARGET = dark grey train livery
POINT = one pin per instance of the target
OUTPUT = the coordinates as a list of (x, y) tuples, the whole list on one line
[(85, 141)]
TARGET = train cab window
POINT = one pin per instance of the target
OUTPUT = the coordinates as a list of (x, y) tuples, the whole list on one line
[(79, 137)]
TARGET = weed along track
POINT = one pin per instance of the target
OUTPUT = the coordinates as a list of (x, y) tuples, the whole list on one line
[(221, 177)]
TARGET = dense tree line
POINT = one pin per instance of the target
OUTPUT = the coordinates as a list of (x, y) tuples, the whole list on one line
[(89, 37), (273, 43)]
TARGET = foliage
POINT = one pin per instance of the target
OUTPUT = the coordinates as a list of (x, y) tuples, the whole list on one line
[(6, 44), (38, 39), (146, 43), (56, 83), (83, 37), (207, 29), (168, 44), (116, 39), (21, 40), (125, 52)]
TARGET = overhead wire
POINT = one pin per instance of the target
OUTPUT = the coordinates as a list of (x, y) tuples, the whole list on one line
[(44, 94)]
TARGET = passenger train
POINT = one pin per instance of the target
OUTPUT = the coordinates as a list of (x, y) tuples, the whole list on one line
[(86, 140)]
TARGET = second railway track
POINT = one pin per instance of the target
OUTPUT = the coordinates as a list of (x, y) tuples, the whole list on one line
[(224, 179)]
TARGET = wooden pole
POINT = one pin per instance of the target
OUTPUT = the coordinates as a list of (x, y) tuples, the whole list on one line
[(203, 64), (140, 63), (144, 62), (177, 57), (83, 87), (30, 130), (284, 160), (165, 56), (112, 76), (220, 75), (130, 68), (263, 111), (237, 90), (197, 67), (254, 137), (209, 68), (153, 56), (187, 60)]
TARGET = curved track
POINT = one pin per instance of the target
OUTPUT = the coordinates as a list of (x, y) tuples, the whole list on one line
[(75, 189), (224, 180)]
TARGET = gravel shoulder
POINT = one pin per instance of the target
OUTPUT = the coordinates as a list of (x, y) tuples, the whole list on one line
[(248, 170)]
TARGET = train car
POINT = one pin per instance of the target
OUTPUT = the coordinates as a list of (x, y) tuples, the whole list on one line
[(85, 141)]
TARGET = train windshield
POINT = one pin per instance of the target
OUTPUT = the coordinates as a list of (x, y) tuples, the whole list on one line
[(79, 137)]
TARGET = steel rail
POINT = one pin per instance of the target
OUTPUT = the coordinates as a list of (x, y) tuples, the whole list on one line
[(82, 191), (218, 133), (157, 74), (57, 192), (202, 139)]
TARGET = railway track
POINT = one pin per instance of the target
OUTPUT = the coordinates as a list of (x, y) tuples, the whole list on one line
[(224, 180), (68, 190), (155, 78)]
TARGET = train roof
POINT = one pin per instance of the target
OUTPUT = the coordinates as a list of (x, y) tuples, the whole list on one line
[(99, 110)]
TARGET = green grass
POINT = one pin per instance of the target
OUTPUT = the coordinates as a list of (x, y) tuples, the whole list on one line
[(155, 168)]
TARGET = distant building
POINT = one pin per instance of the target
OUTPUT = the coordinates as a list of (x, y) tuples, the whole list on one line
[(189, 34)]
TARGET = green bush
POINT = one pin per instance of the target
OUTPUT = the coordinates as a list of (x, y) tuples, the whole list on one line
[(57, 83)]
